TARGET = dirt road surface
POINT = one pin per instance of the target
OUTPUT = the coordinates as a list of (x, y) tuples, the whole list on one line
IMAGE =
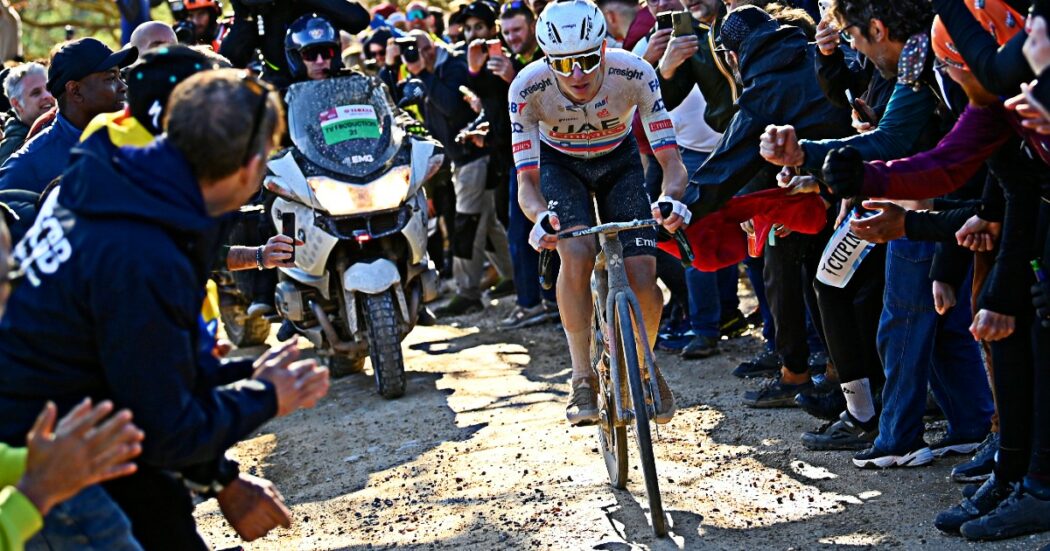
[(477, 455)]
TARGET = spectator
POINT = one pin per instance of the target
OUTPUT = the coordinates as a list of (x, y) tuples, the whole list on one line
[(764, 55), (518, 28), (26, 89), (203, 167), (627, 21), (417, 15), (374, 47), (198, 23), (84, 78), (152, 34), (445, 113)]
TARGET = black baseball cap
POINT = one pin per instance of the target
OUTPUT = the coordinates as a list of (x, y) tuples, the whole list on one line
[(79, 58), (481, 9)]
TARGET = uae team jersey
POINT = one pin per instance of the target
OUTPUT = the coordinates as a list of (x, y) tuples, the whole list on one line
[(539, 112)]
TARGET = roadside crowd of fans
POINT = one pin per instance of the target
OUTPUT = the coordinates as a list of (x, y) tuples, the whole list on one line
[(918, 130)]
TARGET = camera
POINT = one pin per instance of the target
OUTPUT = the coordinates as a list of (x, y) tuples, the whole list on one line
[(409, 48), (185, 31)]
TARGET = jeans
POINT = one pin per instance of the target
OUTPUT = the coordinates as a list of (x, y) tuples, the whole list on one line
[(90, 520), (919, 348), (524, 258)]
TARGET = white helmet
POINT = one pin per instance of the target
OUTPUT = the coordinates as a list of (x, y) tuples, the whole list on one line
[(570, 27)]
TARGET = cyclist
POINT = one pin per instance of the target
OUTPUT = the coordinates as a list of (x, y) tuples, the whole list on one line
[(571, 113), (312, 48)]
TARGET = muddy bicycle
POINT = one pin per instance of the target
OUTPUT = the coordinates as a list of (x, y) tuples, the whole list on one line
[(626, 393)]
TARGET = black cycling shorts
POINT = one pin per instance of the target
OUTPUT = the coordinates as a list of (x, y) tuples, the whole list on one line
[(617, 182)]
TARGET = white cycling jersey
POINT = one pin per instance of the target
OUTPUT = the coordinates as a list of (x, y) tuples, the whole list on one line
[(539, 112)]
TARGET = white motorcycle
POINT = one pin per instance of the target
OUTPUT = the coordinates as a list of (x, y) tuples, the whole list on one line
[(352, 187)]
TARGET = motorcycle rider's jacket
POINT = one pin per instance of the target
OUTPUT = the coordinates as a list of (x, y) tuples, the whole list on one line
[(539, 112), (108, 307)]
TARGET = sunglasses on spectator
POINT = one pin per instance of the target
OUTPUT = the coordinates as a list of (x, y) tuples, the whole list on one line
[(261, 90), (416, 15), (516, 5), (565, 65), (845, 36), (311, 53)]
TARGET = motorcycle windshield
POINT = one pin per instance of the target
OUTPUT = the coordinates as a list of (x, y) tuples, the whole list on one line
[(345, 124)]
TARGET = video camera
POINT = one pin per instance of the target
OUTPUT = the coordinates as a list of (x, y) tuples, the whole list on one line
[(409, 48)]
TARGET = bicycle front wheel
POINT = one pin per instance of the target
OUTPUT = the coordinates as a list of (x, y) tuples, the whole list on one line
[(612, 437), (629, 346)]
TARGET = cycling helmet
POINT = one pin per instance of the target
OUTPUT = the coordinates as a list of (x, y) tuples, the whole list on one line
[(307, 31), (570, 27)]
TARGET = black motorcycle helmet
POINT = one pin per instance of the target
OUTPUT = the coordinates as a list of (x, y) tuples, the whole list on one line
[(307, 32)]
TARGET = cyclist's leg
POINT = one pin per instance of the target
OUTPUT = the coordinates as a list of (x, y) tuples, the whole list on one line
[(570, 199)]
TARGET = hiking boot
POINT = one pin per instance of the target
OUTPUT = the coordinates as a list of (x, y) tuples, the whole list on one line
[(875, 458), (981, 465), (667, 405), (524, 317), (733, 325), (822, 405), (987, 497), (844, 434), (951, 445), (764, 364), (1019, 514), (425, 318), (775, 394), (700, 347), (504, 287), (459, 306), (583, 405)]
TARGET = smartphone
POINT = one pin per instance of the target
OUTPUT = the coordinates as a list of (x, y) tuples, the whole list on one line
[(864, 113), (288, 228), (495, 48), (663, 20), (681, 23), (823, 6)]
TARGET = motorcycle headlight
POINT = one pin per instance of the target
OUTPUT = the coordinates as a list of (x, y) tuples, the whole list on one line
[(341, 198)]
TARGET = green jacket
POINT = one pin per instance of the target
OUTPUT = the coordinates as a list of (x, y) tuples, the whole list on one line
[(709, 72), (19, 519)]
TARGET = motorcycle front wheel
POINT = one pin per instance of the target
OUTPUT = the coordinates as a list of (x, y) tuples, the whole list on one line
[(384, 344)]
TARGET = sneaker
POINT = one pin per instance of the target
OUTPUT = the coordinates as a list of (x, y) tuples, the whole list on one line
[(733, 325), (950, 445), (459, 306), (504, 287), (675, 342), (524, 317), (667, 405), (844, 434), (583, 405), (875, 458), (701, 347), (775, 394), (817, 362), (259, 309), (764, 364), (426, 317), (1019, 514), (987, 497), (822, 405), (981, 465)]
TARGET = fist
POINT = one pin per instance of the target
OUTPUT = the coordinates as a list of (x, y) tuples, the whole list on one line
[(844, 172)]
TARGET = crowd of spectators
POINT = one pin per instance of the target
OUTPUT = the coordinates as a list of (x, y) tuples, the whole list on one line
[(918, 131)]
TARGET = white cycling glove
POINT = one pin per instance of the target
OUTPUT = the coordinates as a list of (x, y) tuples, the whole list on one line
[(677, 207), (538, 232)]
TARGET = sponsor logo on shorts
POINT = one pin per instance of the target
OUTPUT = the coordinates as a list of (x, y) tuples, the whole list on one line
[(536, 87), (521, 146), (629, 74), (643, 242), (657, 126)]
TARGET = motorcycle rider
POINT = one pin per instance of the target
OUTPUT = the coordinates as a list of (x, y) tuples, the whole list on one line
[(311, 47), (572, 115)]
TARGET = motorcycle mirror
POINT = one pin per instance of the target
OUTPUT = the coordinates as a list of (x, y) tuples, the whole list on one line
[(413, 93)]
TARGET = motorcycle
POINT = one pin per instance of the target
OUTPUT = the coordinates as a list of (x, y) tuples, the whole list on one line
[(353, 183)]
